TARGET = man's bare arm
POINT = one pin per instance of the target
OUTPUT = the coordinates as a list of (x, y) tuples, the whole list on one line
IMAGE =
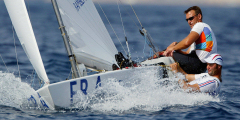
[(190, 77), (184, 52), (186, 42), (176, 68), (186, 86)]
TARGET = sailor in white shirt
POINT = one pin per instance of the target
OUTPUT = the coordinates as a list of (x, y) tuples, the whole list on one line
[(201, 43), (206, 82)]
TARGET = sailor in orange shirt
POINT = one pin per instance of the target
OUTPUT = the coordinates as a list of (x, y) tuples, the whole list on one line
[(201, 43)]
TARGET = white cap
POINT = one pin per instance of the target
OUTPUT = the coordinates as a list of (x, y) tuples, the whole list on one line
[(214, 58)]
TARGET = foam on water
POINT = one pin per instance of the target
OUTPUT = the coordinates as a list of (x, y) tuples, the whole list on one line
[(145, 91), (13, 92)]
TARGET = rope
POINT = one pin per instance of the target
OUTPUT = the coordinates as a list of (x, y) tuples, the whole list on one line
[(167, 66), (121, 63), (41, 83), (147, 38), (95, 70), (131, 16), (112, 27), (121, 19), (136, 15), (33, 78), (69, 74), (151, 52), (98, 70), (144, 45), (4, 63), (16, 51), (147, 42), (129, 53)]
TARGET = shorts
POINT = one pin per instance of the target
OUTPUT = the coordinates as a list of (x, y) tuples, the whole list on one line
[(190, 63)]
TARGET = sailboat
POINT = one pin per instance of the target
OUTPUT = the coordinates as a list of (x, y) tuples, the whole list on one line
[(88, 45)]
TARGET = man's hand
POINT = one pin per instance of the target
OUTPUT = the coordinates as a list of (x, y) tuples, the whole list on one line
[(169, 51), (187, 87), (173, 44), (176, 68), (156, 55)]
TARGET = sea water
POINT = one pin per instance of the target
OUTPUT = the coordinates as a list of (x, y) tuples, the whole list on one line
[(149, 96), (147, 92)]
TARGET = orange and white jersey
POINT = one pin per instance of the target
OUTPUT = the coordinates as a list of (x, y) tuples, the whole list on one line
[(206, 43)]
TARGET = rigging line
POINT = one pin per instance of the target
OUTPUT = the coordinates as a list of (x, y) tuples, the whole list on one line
[(136, 15), (41, 82), (129, 54), (69, 74), (4, 63), (130, 16), (16, 52), (121, 19), (152, 43), (112, 28), (144, 46), (149, 36), (32, 78)]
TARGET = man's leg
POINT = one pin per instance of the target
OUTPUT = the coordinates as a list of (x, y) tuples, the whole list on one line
[(190, 63)]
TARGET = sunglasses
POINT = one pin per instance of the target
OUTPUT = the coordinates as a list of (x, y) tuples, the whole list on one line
[(191, 18)]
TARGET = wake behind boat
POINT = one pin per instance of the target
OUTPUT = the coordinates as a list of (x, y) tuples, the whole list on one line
[(88, 44)]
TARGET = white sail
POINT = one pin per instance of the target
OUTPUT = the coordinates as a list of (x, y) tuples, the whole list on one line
[(90, 40), (21, 22)]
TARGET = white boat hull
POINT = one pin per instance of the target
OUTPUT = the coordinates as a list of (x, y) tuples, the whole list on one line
[(61, 94)]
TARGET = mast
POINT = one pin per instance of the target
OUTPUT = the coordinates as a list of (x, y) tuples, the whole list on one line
[(66, 40)]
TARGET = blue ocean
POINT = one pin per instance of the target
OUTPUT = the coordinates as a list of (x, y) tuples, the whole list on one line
[(166, 24)]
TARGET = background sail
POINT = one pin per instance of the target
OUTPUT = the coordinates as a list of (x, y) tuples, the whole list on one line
[(20, 20), (90, 39)]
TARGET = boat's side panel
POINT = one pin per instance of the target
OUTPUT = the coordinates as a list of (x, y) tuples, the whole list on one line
[(62, 93), (42, 98), (45, 98), (165, 60)]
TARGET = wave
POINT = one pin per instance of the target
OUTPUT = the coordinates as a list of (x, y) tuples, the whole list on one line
[(147, 91)]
